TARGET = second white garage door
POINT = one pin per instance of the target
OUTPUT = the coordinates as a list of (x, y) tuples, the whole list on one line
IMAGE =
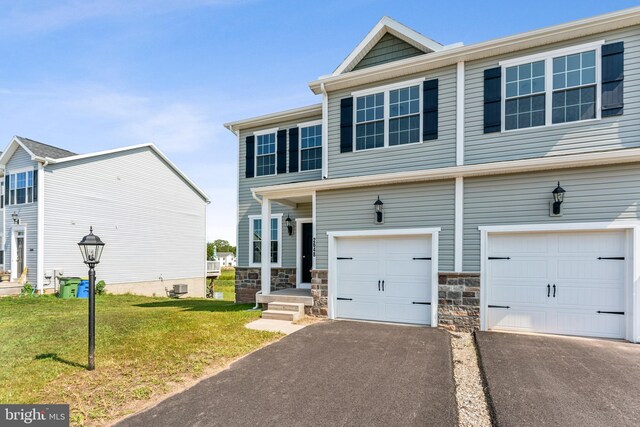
[(384, 279), (564, 283)]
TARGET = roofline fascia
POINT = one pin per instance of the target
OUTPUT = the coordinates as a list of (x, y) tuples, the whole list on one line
[(494, 47), (274, 117), (599, 158)]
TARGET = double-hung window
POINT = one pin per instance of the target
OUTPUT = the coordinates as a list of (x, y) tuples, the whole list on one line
[(388, 116), (20, 188), (256, 235), (311, 147), (551, 88), (266, 154)]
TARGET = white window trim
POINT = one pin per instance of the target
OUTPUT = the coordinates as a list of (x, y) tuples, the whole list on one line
[(306, 125), (256, 134), (385, 91), (548, 83), (15, 172), (258, 264)]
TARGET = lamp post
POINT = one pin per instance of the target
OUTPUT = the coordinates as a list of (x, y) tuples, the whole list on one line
[(91, 248)]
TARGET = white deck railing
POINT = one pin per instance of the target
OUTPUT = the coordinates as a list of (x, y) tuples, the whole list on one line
[(213, 267)]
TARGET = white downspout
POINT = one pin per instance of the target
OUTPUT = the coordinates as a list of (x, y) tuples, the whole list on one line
[(40, 231)]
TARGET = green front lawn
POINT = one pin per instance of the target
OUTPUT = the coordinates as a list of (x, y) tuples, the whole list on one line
[(145, 347)]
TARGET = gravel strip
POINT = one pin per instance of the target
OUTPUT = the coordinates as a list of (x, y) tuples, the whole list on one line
[(472, 405)]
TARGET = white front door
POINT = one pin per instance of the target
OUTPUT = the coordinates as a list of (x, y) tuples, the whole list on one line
[(18, 251), (384, 278), (563, 283)]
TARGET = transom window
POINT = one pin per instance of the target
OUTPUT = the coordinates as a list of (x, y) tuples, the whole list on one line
[(311, 147), (20, 188), (558, 87), (255, 244), (388, 117), (266, 154)]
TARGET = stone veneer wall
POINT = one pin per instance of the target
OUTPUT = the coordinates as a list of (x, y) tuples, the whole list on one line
[(459, 301), (319, 292), (248, 282)]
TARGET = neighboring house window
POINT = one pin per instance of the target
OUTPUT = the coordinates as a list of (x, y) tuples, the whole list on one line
[(21, 188), (551, 88), (574, 87), (311, 147), (2, 194), (391, 116), (255, 240), (266, 154)]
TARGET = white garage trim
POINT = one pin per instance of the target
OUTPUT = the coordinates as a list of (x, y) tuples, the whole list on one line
[(632, 253), (431, 232)]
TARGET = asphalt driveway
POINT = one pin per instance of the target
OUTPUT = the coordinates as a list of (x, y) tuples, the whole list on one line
[(563, 381), (328, 374)]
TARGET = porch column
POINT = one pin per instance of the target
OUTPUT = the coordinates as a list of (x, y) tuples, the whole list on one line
[(265, 257)]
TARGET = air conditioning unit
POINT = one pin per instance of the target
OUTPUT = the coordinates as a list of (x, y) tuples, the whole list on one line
[(180, 289)]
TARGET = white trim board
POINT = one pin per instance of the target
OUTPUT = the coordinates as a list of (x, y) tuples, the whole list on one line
[(633, 266), (433, 232)]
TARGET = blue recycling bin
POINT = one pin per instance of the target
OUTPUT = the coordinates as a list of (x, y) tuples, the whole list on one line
[(83, 289)]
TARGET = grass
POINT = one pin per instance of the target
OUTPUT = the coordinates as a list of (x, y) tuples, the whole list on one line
[(145, 347), (226, 283)]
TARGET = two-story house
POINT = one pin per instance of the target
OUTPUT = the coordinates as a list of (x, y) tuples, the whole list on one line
[(492, 186), (150, 215)]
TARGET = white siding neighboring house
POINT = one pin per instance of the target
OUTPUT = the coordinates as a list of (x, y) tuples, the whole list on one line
[(227, 259), (149, 214)]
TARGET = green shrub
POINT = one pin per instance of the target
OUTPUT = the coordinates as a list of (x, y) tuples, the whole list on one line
[(27, 290), (100, 287)]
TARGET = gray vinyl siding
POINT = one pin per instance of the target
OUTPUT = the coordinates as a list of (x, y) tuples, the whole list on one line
[(419, 205), (389, 48), (608, 193), (247, 205), (607, 134), (28, 214), (436, 153), (152, 221)]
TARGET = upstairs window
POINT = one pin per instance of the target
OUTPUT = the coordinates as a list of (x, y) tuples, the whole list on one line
[(574, 87), (266, 154), (404, 115), (311, 147), (255, 225), (370, 121), (21, 188), (551, 88)]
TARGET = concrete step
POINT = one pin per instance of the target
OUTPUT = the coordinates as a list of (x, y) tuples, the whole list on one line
[(265, 299), (9, 288), (290, 316), (295, 307)]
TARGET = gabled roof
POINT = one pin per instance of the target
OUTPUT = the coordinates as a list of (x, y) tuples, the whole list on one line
[(387, 26), (48, 154)]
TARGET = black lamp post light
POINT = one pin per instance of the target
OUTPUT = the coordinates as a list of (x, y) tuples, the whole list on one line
[(91, 248), (558, 198), (379, 214), (15, 218), (289, 226)]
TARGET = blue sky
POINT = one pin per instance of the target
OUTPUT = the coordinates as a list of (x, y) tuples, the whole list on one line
[(93, 75)]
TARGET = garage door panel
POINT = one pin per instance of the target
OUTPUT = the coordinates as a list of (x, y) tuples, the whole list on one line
[(583, 284), (517, 319), (418, 291), (519, 269), (359, 308), (399, 311)]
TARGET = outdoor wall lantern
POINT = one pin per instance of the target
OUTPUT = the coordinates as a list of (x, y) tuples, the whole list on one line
[(289, 226), (378, 205), (558, 198), (15, 218), (91, 248)]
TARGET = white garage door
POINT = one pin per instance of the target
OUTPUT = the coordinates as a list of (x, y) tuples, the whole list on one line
[(561, 283), (385, 279)]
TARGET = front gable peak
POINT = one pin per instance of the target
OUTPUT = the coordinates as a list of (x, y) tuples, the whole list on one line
[(388, 41)]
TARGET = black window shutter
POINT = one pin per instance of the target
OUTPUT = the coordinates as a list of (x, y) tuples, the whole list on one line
[(282, 151), (430, 110), (612, 79), (492, 108), (250, 157), (293, 149), (35, 185), (346, 125)]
